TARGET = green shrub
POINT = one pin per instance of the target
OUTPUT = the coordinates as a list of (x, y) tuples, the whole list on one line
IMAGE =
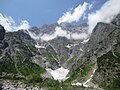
[(34, 78)]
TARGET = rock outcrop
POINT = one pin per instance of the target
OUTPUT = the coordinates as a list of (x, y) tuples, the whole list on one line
[(2, 32), (116, 20), (3, 44), (103, 49), (16, 53), (108, 56)]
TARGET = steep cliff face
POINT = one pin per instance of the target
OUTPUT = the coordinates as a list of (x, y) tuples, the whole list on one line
[(116, 20), (16, 57), (108, 57), (60, 50), (2, 32), (102, 49), (3, 44)]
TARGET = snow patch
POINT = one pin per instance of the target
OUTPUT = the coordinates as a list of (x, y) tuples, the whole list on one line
[(38, 46), (85, 41), (59, 74), (71, 45), (68, 46), (77, 84), (81, 49)]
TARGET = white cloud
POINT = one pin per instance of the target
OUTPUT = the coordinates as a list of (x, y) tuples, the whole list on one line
[(32, 35), (69, 17), (47, 37), (104, 14), (78, 36), (6, 22), (10, 25), (75, 16), (58, 32), (63, 33), (23, 25)]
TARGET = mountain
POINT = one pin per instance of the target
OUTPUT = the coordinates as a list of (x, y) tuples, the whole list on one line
[(60, 50), (102, 53), (49, 29), (26, 58), (92, 62), (16, 57)]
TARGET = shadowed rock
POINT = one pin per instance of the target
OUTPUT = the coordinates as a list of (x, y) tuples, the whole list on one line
[(2, 32)]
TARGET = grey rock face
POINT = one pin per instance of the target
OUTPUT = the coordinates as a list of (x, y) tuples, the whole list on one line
[(60, 50), (11, 85), (49, 29), (116, 20), (2, 33), (103, 48), (16, 57), (3, 44)]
